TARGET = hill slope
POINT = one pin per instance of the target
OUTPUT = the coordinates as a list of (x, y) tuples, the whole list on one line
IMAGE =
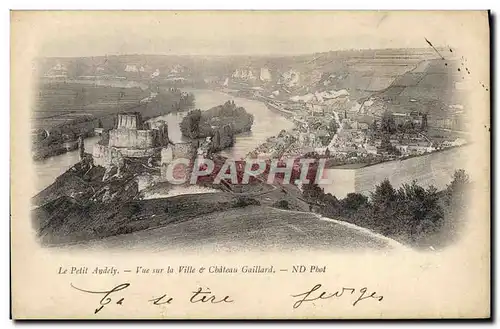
[(249, 229)]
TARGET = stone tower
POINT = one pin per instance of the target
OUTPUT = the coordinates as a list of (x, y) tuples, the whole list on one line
[(129, 121)]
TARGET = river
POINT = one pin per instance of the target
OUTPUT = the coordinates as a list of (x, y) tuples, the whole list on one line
[(432, 169), (266, 124), (48, 169)]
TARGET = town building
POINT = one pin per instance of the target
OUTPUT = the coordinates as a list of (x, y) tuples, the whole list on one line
[(265, 75), (417, 118)]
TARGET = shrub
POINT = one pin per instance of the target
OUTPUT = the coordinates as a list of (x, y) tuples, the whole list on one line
[(242, 201), (412, 214), (282, 204)]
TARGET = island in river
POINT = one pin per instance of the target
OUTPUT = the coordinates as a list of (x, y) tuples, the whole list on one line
[(220, 123)]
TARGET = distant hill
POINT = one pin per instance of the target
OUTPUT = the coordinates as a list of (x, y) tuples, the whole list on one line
[(431, 87), (410, 79), (358, 70)]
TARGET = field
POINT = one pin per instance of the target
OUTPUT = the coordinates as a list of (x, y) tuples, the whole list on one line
[(64, 110), (58, 103)]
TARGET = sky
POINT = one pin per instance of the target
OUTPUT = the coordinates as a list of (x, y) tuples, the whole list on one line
[(95, 33)]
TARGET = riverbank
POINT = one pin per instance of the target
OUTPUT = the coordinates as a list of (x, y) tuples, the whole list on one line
[(285, 116), (220, 123), (268, 102), (266, 123), (358, 165), (432, 169)]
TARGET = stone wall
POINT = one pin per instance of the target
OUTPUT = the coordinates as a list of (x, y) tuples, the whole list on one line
[(145, 181), (132, 121), (105, 156), (139, 153), (183, 150), (167, 155), (139, 138), (177, 151), (133, 138)]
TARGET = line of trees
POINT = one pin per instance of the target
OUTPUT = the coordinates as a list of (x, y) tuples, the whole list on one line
[(412, 214), (389, 126)]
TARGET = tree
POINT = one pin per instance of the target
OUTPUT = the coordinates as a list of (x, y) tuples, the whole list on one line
[(216, 140), (353, 201), (407, 127), (455, 205), (386, 146), (333, 127), (459, 183), (81, 147), (388, 125), (282, 204), (424, 123), (312, 192), (383, 208), (190, 124), (419, 213), (383, 194)]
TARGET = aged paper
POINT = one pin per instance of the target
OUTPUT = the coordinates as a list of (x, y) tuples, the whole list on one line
[(250, 164)]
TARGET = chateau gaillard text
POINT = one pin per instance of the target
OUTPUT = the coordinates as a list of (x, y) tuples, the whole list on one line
[(189, 269)]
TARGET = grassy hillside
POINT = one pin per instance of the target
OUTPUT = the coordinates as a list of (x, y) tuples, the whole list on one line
[(65, 220), (75, 209), (249, 228), (428, 88)]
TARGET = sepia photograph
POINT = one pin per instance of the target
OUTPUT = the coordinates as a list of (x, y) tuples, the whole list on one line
[(297, 148)]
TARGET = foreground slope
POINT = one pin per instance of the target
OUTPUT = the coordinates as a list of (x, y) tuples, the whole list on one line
[(252, 228)]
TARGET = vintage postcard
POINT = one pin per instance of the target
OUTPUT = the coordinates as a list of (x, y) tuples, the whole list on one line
[(250, 164)]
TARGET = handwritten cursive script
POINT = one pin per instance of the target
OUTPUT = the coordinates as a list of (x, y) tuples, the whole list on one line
[(206, 296), (203, 296), (107, 293), (199, 296), (313, 294)]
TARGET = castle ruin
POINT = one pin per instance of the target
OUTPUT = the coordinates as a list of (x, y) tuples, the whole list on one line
[(143, 142), (131, 138)]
